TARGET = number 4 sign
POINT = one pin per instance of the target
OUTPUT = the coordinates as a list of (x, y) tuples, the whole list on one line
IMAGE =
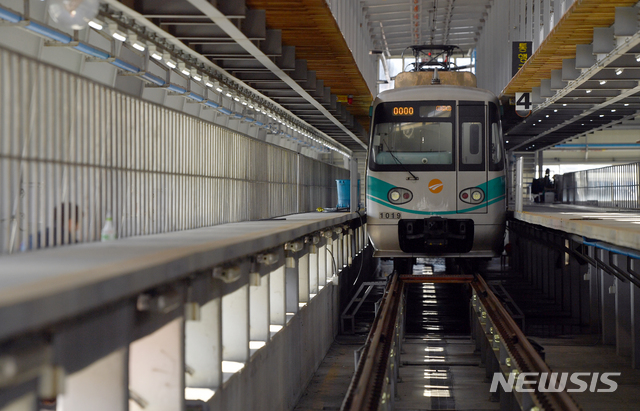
[(523, 101)]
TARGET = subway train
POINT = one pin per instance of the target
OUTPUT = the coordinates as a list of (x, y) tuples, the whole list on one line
[(435, 183)]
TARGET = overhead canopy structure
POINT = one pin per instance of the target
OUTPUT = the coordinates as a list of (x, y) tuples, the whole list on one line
[(582, 78), (397, 24), (290, 51)]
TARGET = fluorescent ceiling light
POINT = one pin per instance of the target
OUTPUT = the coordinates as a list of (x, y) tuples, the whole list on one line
[(183, 69), (170, 62), (117, 34), (139, 46), (195, 75), (96, 24), (619, 71), (153, 52)]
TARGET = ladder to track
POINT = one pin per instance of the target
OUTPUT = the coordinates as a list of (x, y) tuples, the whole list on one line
[(349, 313)]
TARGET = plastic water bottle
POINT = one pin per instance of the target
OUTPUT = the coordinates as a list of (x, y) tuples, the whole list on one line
[(108, 231)]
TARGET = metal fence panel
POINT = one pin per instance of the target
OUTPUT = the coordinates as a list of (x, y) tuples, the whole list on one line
[(611, 187), (72, 151)]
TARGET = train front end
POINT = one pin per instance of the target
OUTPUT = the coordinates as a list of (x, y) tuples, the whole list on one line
[(435, 174)]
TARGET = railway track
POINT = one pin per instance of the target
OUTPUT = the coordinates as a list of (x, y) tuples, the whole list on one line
[(503, 349)]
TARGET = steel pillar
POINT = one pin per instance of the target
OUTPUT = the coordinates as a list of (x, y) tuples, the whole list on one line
[(608, 303), (623, 311)]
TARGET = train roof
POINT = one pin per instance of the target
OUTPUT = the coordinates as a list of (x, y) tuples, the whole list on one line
[(441, 92)]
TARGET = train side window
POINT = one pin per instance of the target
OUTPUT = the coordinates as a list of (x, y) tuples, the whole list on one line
[(472, 143)]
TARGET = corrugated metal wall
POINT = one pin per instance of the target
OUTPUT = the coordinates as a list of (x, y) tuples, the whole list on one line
[(614, 187), (75, 149)]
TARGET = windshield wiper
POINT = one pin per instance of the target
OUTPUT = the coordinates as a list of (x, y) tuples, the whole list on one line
[(413, 177)]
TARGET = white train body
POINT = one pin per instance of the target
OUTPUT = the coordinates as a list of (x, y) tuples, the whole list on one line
[(435, 182)]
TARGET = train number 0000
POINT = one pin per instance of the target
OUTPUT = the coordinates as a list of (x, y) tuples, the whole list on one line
[(403, 111)]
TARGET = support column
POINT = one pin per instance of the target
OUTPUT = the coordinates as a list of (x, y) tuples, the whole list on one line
[(203, 347), (536, 30), (156, 369), (623, 311), (103, 384), (303, 278), (259, 311), (277, 297), (574, 286), (292, 282), (594, 295), (330, 253), (353, 189), (235, 326), (322, 263), (529, 22), (539, 153), (313, 270), (608, 301), (635, 323), (546, 21)]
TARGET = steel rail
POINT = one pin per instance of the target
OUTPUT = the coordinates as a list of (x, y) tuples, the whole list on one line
[(520, 350), (367, 386)]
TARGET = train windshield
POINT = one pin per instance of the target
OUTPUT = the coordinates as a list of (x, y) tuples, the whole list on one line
[(418, 135), (413, 143)]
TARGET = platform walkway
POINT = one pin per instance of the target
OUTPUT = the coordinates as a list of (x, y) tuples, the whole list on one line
[(205, 314)]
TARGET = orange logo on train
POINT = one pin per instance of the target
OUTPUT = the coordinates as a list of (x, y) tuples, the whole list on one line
[(435, 186)]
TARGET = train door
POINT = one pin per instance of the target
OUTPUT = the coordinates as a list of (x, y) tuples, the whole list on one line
[(472, 170)]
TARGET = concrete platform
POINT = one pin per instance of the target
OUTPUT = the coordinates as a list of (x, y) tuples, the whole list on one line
[(617, 227), (586, 354), (45, 286), (330, 383)]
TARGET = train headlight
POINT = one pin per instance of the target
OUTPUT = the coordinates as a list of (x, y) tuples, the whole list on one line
[(398, 195), (473, 195)]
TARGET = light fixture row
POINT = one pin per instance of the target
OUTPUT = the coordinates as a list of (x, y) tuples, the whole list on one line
[(190, 72)]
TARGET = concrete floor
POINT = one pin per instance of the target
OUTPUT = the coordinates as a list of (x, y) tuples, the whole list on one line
[(586, 354), (329, 385)]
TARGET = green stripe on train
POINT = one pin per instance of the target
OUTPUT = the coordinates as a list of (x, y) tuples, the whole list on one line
[(377, 191)]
